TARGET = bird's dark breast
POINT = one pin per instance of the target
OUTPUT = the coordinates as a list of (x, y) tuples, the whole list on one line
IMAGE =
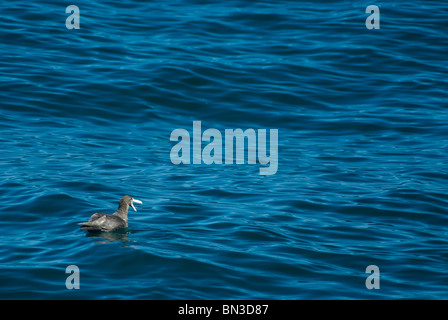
[(115, 222)]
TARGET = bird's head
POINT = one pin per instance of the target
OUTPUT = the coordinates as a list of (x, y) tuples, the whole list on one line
[(129, 201)]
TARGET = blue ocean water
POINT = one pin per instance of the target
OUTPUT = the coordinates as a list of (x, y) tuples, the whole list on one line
[(362, 119)]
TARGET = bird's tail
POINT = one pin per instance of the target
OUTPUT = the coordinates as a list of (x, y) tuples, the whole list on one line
[(88, 226)]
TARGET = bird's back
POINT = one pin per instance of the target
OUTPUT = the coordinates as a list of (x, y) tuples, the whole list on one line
[(103, 222)]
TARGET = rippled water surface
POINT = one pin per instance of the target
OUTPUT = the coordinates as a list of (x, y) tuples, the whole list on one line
[(362, 119)]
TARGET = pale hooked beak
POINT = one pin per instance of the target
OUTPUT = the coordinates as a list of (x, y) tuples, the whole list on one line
[(136, 201)]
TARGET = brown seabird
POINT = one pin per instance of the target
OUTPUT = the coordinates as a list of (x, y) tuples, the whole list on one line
[(109, 222)]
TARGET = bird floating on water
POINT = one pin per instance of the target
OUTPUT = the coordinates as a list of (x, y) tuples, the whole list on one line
[(109, 222)]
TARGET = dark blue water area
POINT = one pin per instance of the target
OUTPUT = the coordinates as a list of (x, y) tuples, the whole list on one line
[(362, 120)]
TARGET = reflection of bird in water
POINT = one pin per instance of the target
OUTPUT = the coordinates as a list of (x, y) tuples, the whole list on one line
[(119, 235), (109, 222)]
